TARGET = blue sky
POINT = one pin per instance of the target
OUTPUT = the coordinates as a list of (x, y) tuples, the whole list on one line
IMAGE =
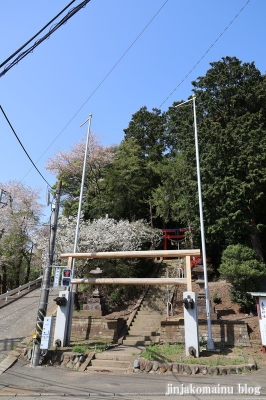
[(44, 94)]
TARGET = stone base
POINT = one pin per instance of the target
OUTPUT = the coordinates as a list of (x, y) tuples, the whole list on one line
[(201, 305), (96, 306), (86, 326)]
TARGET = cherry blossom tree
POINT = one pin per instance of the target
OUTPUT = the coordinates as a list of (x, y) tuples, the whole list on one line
[(68, 166), (101, 235), (19, 216)]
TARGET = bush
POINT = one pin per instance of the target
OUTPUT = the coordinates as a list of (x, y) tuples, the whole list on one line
[(216, 299), (241, 267)]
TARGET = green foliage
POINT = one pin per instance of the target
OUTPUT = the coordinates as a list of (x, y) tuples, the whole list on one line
[(216, 299), (166, 352), (124, 183), (79, 349), (176, 353), (231, 119), (241, 267), (117, 295), (152, 174)]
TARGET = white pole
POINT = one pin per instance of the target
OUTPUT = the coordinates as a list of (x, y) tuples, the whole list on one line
[(210, 342), (81, 189), (73, 290)]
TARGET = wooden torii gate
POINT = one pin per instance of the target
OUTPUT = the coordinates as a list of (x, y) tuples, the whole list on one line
[(187, 254)]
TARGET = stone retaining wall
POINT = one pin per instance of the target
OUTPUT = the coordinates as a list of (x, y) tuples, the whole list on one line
[(79, 362), (62, 358), (85, 326), (229, 333), (154, 367)]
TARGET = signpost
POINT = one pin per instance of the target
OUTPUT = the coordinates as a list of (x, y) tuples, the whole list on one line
[(46, 333)]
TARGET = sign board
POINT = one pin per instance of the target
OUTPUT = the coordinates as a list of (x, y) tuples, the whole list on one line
[(262, 303), (46, 333), (56, 277), (263, 331)]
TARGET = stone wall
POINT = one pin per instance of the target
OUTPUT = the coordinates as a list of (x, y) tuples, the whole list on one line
[(88, 327), (229, 333)]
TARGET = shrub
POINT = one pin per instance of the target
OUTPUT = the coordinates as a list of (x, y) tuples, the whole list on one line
[(241, 267), (216, 299)]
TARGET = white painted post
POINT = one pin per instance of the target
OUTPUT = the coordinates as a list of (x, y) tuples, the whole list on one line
[(61, 319), (191, 323)]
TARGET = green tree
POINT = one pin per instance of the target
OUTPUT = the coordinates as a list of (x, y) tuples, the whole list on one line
[(149, 131), (126, 183), (242, 268), (169, 205), (231, 116)]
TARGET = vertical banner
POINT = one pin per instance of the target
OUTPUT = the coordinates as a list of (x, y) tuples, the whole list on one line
[(56, 277), (262, 302)]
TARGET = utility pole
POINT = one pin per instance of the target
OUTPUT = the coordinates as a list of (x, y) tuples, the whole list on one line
[(46, 281)]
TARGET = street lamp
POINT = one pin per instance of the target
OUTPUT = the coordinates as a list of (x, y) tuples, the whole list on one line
[(210, 342)]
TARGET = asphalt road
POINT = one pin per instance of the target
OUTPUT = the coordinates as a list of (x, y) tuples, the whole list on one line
[(18, 318), (56, 383)]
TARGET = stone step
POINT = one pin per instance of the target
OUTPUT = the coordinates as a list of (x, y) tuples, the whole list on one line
[(105, 355), (153, 310), (132, 342), (140, 338), (138, 330), (108, 364), (92, 368), (148, 312), (146, 324), (152, 305)]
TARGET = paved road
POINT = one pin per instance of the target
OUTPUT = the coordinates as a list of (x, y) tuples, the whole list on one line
[(57, 383), (18, 318)]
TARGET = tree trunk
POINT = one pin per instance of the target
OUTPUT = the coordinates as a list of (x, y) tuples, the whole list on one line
[(4, 280), (256, 244)]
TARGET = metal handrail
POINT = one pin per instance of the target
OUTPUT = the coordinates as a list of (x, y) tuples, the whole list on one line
[(22, 287)]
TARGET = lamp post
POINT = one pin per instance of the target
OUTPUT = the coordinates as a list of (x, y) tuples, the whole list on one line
[(210, 342), (73, 290)]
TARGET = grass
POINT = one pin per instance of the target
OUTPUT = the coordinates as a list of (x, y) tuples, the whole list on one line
[(176, 353), (89, 346)]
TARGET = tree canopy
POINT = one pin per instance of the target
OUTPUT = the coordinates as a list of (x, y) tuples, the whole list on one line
[(152, 174), (19, 216)]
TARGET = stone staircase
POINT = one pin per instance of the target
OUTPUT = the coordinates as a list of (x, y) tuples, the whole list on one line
[(145, 328), (143, 331), (116, 360)]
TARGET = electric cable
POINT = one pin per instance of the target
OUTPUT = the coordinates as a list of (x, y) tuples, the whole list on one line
[(9, 123), (110, 71), (38, 42), (206, 52), (37, 34), (123, 57)]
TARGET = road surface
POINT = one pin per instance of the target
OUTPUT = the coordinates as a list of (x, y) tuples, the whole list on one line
[(18, 318)]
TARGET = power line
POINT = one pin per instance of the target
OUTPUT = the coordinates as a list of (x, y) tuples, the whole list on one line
[(9, 123), (37, 34), (206, 52), (97, 87), (52, 30), (110, 71)]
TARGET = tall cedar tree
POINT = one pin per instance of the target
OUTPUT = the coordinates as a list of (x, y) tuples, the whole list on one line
[(231, 117)]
